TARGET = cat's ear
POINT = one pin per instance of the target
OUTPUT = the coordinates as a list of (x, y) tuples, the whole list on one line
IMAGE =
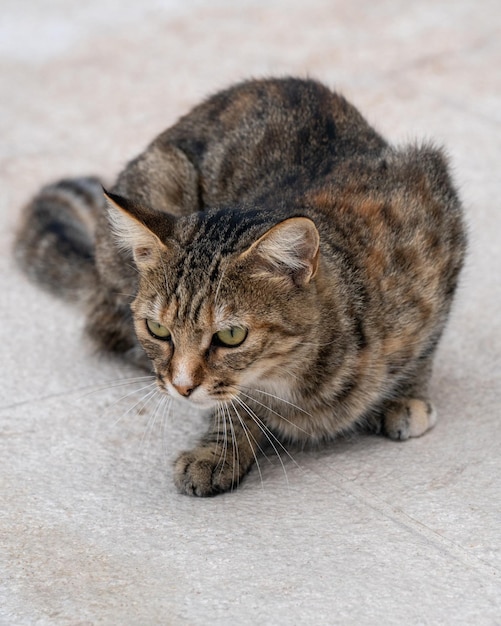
[(288, 251), (133, 228)]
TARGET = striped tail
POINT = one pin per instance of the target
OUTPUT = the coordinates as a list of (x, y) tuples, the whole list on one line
[(55, 244)]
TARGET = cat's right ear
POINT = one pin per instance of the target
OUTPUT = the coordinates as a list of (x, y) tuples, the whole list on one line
[(130, 225)]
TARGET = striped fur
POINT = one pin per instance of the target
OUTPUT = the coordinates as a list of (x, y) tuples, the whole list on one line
[(56, 240), (274, 213)]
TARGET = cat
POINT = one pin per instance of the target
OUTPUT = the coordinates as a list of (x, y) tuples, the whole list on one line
[(271, 258)]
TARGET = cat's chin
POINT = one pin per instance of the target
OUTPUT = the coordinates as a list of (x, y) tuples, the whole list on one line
[(204, 403)]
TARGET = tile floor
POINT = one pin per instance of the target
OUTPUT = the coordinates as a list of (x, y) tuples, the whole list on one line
[(362, 532)]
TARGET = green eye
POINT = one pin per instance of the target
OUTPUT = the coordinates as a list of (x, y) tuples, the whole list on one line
[(157, 330), (231, 337)]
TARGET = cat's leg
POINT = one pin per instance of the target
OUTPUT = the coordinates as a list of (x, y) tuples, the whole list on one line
[(411, 414), (222, 457)]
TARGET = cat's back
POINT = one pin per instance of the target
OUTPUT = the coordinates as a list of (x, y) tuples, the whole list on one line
[(262, 134)]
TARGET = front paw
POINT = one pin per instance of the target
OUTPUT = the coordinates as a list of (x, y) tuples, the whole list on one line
[(205, 472)]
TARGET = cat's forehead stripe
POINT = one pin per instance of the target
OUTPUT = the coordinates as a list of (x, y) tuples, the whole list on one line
[(224, 229), (196, 306), (196, 277)]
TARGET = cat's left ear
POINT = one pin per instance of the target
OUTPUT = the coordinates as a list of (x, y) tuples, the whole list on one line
[(133, 228), (289, 251)]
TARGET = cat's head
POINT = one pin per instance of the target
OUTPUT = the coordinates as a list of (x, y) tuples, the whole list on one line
[(226, 299)]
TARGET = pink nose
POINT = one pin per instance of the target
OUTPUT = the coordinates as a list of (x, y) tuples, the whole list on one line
[(184, 390)]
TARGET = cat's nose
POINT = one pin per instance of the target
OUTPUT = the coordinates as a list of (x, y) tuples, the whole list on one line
[(184, 390)]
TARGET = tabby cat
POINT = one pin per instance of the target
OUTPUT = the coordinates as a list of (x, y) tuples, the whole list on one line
[(289, 270)]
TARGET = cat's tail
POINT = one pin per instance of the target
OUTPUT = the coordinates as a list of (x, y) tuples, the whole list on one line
[(55, 245)]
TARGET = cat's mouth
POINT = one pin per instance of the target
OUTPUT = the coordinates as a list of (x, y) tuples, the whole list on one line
[(196, 396)]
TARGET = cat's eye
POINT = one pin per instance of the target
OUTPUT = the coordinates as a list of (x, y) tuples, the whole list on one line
[(231, 337), (157, 330)]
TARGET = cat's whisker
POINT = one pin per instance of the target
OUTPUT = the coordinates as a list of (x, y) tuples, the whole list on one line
[(218, 422), (142, 403), (131, 393), (166, 413), (268, 408), (153, 418), (225, 424), (113, 384), (234, 445), (109, 408), (218, 419), (235, 450), (224, 448), (248, 434), (275, 397), (270, 436), (256, 442), (228, 426)]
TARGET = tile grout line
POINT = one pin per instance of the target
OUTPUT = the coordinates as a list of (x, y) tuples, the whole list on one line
[(21, 403), (79, 393), (404, 519)]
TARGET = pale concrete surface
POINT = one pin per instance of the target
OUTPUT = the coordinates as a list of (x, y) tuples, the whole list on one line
[(365, 531)]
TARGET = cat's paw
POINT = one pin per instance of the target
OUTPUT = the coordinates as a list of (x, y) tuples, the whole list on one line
[(408, 417), (203, 472)]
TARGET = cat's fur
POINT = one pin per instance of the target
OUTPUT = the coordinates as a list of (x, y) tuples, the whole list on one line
[(273, 206)]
